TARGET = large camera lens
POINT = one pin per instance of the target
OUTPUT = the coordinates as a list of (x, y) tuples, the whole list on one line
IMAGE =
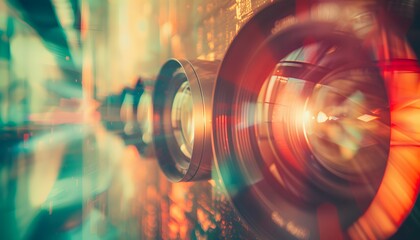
[(181, 106), (301, 121)]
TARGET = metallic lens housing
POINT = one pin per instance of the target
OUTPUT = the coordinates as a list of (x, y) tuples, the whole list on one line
[(292, 198), (181, 110)]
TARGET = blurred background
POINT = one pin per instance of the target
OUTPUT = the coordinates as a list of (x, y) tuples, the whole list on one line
[(58, 61), (66, 168)]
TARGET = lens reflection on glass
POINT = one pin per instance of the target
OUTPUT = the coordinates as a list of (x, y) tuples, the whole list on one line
[(349, 120), (331, 131), (182, 119)]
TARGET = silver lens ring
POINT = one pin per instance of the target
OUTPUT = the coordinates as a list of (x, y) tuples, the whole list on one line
[(182, 107)]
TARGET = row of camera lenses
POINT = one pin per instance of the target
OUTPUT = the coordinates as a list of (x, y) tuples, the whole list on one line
[(306, 120)]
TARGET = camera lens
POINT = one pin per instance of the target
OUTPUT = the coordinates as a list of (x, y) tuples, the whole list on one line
[(145, 119), (301, 124), (181, 106)]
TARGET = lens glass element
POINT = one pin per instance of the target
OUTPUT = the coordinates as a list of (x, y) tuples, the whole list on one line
[(322, 131), (182, 119)]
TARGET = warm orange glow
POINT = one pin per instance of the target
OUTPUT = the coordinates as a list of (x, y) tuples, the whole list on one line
[(400, 186), (395, 198)]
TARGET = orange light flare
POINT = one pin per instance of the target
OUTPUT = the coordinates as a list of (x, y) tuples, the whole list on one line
[(399, 189)]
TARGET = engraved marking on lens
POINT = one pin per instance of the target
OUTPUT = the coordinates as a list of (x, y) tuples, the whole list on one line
[(297, 231), (278, 219), (283, 23), (294, 229)]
